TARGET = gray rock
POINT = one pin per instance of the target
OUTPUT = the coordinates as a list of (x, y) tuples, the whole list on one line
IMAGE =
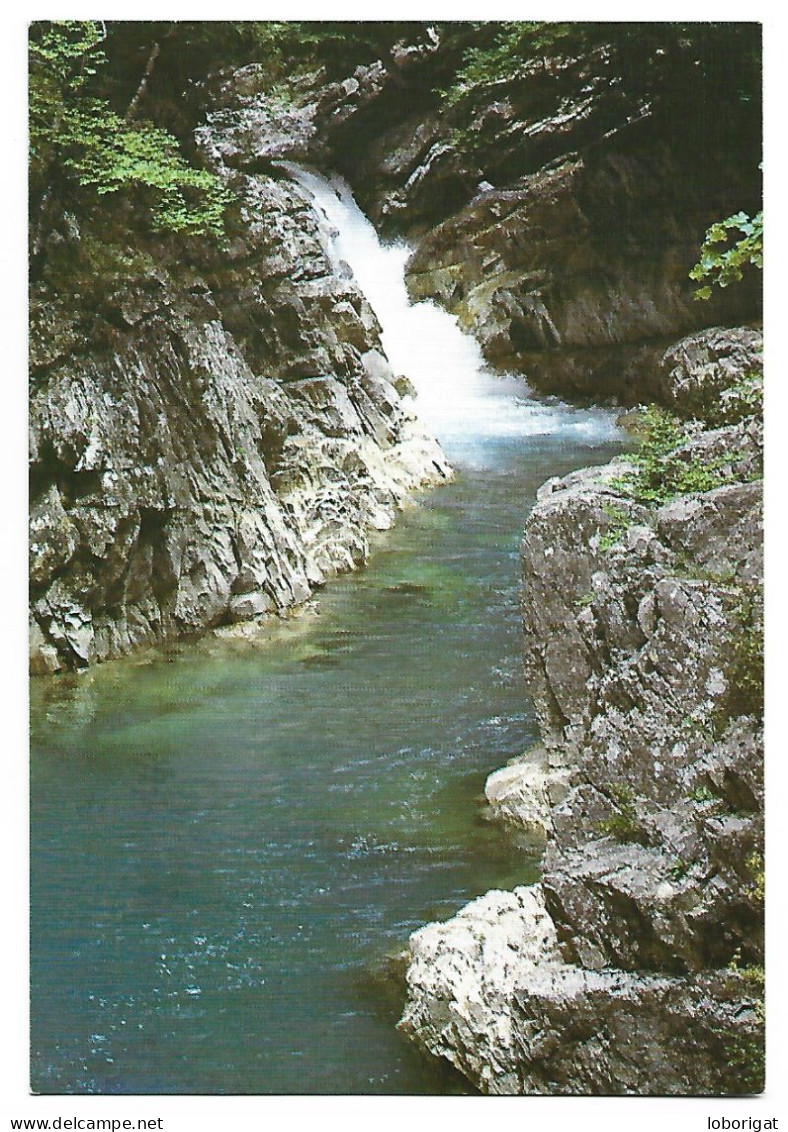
[(620, 972), (222, 441), (490, 992), (524, 792), (716, 375), (520, 267)]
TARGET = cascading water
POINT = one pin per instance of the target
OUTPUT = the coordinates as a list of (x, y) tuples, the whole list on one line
[(459, 399), (226, 839)]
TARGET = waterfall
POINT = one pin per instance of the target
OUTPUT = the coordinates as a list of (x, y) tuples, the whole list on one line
[(466, 406)]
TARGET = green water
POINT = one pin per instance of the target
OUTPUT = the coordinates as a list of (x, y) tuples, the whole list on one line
[(229, 837)]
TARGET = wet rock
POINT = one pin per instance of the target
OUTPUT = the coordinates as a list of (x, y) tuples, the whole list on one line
[(556, 216), (214, 455), (534, 272), (642, 647)]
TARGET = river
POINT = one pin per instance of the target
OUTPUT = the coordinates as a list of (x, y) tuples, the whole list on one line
[(229, 837)]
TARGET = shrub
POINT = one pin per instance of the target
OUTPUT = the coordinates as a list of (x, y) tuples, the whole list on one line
[(663, 470), (77, 136), (624, 825)]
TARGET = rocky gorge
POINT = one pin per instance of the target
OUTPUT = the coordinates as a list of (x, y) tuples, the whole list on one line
[(635, 965), (226, 442), (216, 430)]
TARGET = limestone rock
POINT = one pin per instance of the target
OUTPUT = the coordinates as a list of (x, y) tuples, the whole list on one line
[(523, 793), (489, 991)]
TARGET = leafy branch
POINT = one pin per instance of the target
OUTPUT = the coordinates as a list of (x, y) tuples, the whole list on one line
[(76, 133), (722, 262)]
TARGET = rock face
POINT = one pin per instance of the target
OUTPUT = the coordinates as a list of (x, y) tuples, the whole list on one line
[(491, 992), (573, 275), (634, 966), (213, 431), (557, 211)]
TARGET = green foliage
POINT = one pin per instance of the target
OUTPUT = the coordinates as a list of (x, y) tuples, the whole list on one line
[(702, 794), (584, 601), (701, 80), (744, 1049), (752, 973), (623, 826), (619, 523), (514, 44), (285, 47), (76, 133), (110, 155), (744, 671), (63, 59), (722, 262), (679, 869), (662, 470), (745, 1056), (611, 538), (755, 865), (743, 399)]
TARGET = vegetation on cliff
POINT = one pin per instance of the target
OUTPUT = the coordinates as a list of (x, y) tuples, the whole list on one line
[(644, 658), (77, 140), (215, 428)]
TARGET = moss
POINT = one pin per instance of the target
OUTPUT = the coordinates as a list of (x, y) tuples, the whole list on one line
[(745, 1053), (754, 865), (745, 1058), (752, 973), (743, 1046)]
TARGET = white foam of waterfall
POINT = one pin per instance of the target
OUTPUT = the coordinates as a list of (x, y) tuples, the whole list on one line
[(459, 399)]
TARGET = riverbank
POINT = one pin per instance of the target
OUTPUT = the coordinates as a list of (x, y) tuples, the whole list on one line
[(181, 385), (232, 396), (188, 470), (635, 966), (228, 836)]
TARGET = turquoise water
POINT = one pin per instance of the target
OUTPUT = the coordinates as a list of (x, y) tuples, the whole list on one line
[(230, 836)]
